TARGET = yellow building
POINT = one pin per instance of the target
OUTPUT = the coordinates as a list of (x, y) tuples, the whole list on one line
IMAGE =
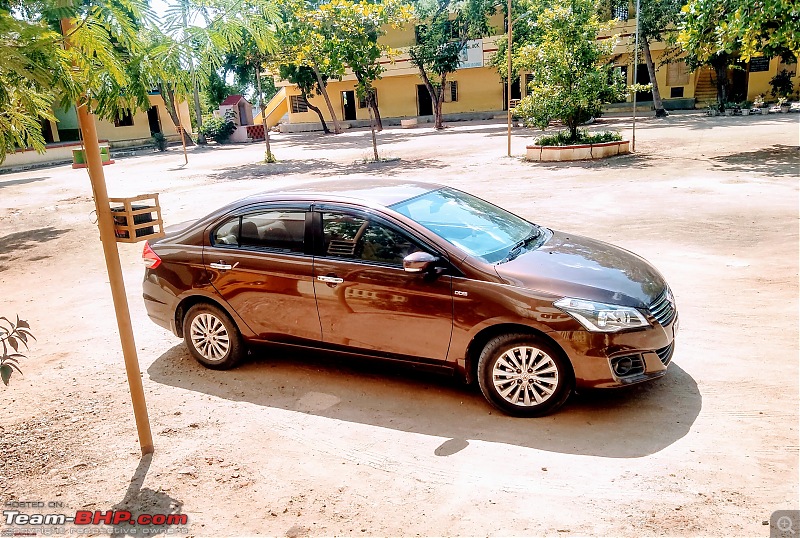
[(63, 136), (476, 91)]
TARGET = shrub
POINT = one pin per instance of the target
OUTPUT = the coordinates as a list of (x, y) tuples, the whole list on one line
[(564, 138), (220, 129), (12, 337), (160, 141), (782, 84)]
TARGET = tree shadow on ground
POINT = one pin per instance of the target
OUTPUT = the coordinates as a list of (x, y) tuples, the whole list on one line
[(777, 160), (358, 138), (139, 500), (629, 423), (11, 245), (22, 181), (323, 168)]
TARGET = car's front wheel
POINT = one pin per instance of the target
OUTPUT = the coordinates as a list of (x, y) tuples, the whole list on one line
[(523, 376), (212, 337)]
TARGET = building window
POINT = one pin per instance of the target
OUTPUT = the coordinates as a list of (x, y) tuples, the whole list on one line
[(619, 11), (299, 104), (677, 74), (123, 119), (451, 92), (677, 91), (528, 82), (362, 101)]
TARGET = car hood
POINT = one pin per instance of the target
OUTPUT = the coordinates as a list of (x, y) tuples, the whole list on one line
[(574, 266)]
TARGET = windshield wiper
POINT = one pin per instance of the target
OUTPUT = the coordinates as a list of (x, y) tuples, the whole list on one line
[(516, 250)]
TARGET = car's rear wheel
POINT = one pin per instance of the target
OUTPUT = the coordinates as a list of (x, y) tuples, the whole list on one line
[(524, 376), (212, 337)]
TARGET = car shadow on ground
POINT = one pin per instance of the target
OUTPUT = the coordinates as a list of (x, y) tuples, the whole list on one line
[(777, 160), (629, 423), (323, 168)]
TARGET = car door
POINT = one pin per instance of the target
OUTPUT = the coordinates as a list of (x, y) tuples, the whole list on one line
[(261, 264), (366, 301)]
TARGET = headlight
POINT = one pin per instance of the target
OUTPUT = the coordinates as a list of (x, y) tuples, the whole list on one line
[(601, 317)]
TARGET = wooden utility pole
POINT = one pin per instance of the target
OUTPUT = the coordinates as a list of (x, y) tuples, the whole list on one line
[(105, 223), (508, 78)]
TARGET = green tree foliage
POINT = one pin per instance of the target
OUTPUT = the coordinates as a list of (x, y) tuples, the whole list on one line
[(306, 81), (657, 23), (302, 45), (571, 76), (202, 32), (525, 32), (102, 68), (444, 29), (717, 32), (351, 30)]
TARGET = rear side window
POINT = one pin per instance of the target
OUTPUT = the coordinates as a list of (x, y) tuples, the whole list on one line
[(273, 230), (350, 236)]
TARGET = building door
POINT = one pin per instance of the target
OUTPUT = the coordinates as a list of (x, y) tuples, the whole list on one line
[(516, 93), (424, 103), (739, 79), (153, 120), (47, 131), (349, 105), (643, 77)]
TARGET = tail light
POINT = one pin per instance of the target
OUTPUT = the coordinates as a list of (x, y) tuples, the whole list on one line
[(149, 257)]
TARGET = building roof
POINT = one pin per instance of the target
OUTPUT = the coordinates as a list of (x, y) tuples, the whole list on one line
[(232, 100)]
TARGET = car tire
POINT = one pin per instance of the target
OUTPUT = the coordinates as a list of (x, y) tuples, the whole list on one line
[(523, 376), (212, 337)]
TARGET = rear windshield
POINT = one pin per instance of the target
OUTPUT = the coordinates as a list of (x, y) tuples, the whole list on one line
[(475, 226)]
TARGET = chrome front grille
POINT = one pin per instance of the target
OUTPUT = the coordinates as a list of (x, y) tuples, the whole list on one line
[(663, 308), (665, 353)]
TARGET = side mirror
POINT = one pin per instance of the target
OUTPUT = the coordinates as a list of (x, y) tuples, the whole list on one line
[(419, 262)]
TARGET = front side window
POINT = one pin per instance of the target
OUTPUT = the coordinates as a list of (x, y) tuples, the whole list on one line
[(282, 230), (354, 237), (474, 225)]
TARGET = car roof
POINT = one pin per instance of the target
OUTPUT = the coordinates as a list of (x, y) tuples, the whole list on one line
[(373, 191)]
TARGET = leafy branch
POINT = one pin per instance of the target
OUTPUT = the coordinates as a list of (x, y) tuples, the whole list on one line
[(12, 337)]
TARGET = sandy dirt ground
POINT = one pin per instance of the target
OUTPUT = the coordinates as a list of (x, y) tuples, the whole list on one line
[(302, 444)]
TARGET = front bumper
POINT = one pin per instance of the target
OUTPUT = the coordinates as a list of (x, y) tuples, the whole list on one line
[(593, 355)]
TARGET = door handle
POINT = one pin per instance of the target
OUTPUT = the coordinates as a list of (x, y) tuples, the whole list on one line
[(330, 279), (221, 266)]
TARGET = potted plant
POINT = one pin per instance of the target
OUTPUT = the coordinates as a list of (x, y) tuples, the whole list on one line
[(745, 107), (758, 105), (783, 102), (712, 110)]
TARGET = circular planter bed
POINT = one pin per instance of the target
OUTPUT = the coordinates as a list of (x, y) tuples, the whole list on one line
[(581, 152)]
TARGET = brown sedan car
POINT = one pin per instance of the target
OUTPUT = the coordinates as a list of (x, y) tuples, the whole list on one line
[(419, 273)]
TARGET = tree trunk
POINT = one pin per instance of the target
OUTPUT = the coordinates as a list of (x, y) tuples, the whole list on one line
[(268, 156), (168, 95), (374, 140), (720, 65), (372, 104), (435, 99), (324, 90), (651, 71), (319, 113)]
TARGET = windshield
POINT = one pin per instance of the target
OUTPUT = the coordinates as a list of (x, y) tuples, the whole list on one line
[(477, 227)]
